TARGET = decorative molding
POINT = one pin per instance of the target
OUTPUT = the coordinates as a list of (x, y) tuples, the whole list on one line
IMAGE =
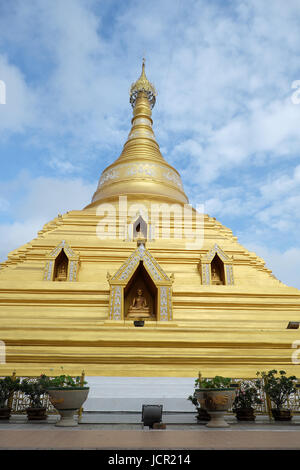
[(125, 272), (163, 311), (116, 303), (216, 250), (165, 295), (142, 169), (53, 254), (141, 133), (107, 176), (171, 176), (205, 271), (229, 274), (141, 120), (48, 271), (123, 275), (205, 265), (131, 266)]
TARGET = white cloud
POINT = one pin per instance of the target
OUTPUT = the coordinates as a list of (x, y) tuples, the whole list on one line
[(63, 166), (223, 117), (14, 235), (77, 102), (282, 185), (18, 111), (48, 196), (222, 75), (284, 264), (36, 201)]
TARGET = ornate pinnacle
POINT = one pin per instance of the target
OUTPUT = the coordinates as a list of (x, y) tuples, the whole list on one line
[(143, 84)]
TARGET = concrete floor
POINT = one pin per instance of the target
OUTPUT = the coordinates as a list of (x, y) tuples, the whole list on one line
[(125, 431)]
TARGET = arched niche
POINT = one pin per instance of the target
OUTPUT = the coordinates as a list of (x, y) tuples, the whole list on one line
[(140, 269), (216, 267), (61, 267), (141, 280), (140, 228), (217, 274), (60, 259)]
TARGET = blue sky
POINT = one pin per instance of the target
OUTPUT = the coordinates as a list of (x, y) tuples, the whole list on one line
[(224, 115)]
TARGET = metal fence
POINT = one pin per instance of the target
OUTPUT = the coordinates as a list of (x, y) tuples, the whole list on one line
[(19, 402), (265, 407), (292, 403)]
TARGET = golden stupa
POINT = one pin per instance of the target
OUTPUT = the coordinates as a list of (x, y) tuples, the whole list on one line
[(139, 255)]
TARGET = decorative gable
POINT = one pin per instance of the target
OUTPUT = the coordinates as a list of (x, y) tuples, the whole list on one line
[(52, 255), (205, 265), (122, 277)]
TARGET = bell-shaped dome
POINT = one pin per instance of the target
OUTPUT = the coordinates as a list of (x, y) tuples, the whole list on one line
[(141, 170)]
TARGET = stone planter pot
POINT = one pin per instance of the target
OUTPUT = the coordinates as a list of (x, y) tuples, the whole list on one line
[(36, 414), (245, 414), (67, 401), (281, 414), (202, 415), (216, 402), (5, 413)]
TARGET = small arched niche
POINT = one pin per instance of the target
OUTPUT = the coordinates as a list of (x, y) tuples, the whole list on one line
[(140, 283), (217, 271), (61, 263), (139, 228), (61, 267)]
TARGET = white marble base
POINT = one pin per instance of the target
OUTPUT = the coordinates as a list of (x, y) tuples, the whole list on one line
[(130, 393)]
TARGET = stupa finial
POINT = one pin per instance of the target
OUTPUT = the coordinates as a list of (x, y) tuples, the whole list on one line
[(143, 84)]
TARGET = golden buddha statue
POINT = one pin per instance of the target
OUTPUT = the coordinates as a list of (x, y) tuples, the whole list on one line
[(62, 272), (215, 277), (139, 307)]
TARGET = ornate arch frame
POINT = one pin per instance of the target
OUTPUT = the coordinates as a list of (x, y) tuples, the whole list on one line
[(140, 220), (120, 279), (205, 266), (129, 228), (72, 265)]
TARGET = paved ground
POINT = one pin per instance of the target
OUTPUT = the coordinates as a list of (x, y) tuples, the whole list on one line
[(125, 431)]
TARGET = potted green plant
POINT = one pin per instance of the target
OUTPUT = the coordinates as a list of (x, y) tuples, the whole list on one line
[(67, 394), (247, 396), (278, 388), (7, 386), (215, 395), (35, 388), (202, 414)]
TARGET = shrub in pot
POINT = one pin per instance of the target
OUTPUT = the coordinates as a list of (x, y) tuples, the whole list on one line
[(67, 394), (7, 386), (216, 395), (247, 396), (35, 389), (279, 387), (202, 414)]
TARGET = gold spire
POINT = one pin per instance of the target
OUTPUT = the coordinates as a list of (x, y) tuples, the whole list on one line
[(141, 170), (143, 84)]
